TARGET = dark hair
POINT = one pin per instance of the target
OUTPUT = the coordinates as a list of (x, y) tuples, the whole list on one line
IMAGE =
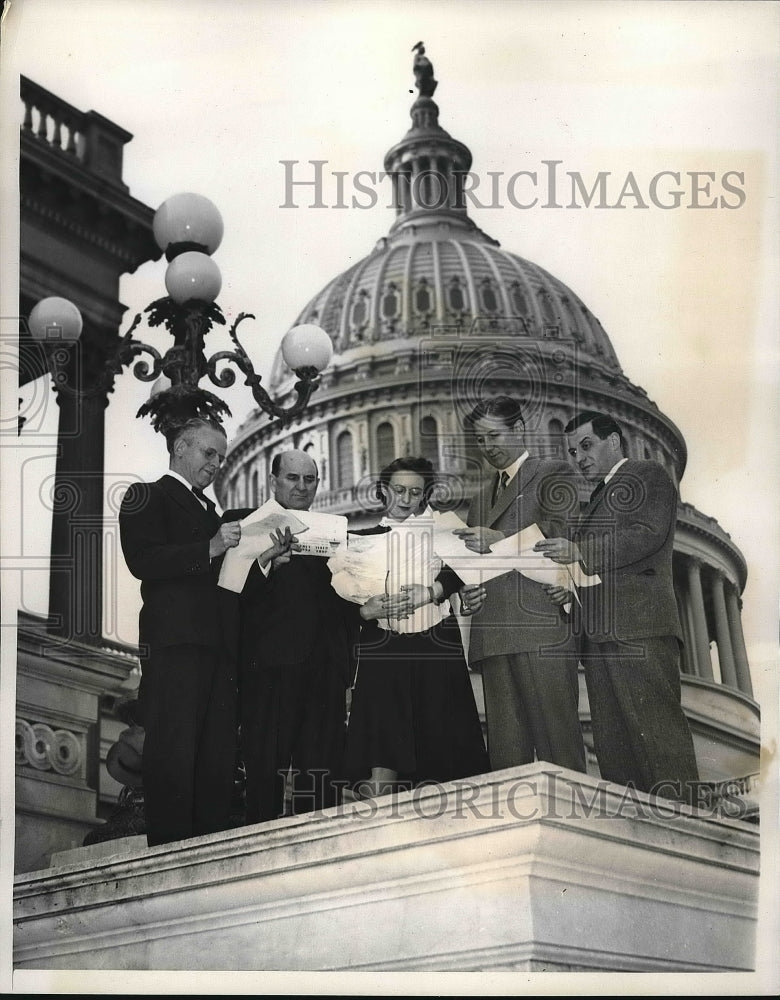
[(603, 425), (420, 466), (179, 430), (505, 408)]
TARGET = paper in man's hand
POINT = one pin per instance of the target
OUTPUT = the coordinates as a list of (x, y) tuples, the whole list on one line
[(256, 531)]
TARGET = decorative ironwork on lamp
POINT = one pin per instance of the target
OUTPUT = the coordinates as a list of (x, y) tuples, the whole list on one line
[(188, 228)]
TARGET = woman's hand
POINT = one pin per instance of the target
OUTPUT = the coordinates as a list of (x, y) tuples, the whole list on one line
[(479, 539), (472, 597), (386, 606), (418, 594)]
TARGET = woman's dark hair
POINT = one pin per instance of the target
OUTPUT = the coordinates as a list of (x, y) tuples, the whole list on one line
[(420, 466)]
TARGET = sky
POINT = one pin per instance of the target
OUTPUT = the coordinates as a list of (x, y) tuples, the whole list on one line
[(218, 92)]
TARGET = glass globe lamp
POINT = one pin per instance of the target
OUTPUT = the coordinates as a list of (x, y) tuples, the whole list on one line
[(307, 346), (193, 275), (54, 319), (187, 221)]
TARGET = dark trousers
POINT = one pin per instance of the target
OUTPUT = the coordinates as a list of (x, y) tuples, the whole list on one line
[(188, 704), (531, 708), (292, 715), (640, 732)]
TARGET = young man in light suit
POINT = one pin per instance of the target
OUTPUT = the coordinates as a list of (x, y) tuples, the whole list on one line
[(629, 626), (520, 643)]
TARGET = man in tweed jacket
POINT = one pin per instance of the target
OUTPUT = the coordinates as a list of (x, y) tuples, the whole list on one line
[(628, 625)]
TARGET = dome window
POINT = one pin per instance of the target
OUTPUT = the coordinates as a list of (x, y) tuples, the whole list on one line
[(547, 306), (422, 298), (359, 317), (390, 302), (488, 295), (519, 301), (429, 440), (345, 470), (385, 444), (455, 296)]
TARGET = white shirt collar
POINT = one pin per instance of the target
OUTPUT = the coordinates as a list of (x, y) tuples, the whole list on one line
[(176, 475), (513, 469), (613, 470)]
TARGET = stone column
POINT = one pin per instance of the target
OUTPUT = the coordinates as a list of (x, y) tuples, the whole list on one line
[(688, 658), (738, 640), (76, 576), (701, 634), (728, 670), (691, 635), (415, 185)]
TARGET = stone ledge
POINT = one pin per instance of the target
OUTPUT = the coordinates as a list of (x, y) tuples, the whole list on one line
[(526, 868)]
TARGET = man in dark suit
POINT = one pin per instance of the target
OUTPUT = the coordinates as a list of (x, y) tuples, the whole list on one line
[(171, 537), (525, 653), (629, 626), (294, 665)]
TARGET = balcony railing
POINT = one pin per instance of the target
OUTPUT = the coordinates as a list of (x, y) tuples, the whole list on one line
[(84, 138)]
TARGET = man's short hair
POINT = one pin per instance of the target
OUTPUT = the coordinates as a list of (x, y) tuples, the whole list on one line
[(603, 425), (276, 463), (186, 429), (504, 408)]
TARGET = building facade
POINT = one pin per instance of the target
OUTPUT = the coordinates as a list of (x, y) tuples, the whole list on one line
[(80, 229)]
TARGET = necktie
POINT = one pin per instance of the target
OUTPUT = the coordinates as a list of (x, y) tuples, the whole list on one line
[(501, 485), (597, 492), (209, 504)]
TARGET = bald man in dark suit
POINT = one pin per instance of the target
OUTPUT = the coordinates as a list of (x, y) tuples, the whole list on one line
[(295, 653)]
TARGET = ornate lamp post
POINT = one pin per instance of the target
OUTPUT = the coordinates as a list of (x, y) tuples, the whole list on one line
[(188, 228)]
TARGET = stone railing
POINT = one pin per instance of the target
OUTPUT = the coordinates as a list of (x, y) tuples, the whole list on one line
[(51, 120), (86, 138)]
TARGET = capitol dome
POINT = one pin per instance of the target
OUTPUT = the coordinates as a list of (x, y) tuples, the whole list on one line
[(437, 274), (439, 316), (434, 318)]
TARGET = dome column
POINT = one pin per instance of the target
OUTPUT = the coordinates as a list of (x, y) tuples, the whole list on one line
[(738, 641), (728, 672), (688, 655), (700, 630)]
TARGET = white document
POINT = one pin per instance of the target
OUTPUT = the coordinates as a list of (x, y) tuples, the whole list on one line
[(325, 533), (256, 531), (513, 553)]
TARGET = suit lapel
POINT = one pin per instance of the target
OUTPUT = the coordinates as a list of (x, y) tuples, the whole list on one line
[(186, 499), (514, 490), (594, 505)]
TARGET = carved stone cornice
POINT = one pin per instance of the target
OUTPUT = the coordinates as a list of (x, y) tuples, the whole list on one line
[(124, 239)]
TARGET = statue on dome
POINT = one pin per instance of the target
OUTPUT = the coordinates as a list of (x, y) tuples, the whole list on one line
[(423, 71)]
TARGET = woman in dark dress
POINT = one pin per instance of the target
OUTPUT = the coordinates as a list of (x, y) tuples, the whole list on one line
[(413, 718)]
